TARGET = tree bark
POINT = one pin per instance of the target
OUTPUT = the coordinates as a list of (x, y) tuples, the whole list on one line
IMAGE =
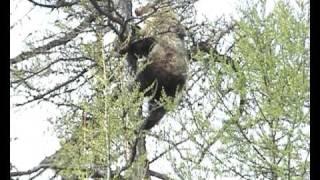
[(140, 166)]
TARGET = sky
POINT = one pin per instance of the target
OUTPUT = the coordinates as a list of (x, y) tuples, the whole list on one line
[(30, 125)]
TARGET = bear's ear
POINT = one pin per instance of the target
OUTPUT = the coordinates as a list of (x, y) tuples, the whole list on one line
[(139, 11), (145, 9)]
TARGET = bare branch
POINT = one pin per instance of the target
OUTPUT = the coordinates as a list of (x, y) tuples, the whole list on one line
[(57, 42), (47, 67), (107, 14), (33, 170), (58, 4), (173, 146), (40, 96), (158, 175)]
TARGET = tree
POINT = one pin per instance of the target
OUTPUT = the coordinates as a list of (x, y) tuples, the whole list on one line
[(244, 111), (268, 136)]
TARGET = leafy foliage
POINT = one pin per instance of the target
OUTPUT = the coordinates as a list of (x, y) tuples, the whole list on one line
[(244, 112)]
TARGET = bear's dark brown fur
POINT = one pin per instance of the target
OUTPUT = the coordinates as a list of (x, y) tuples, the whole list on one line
[(166, 62)]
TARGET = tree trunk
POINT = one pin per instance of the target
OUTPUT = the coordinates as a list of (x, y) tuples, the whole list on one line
[(140, 166)]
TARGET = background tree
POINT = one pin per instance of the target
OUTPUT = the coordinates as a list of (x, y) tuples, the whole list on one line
[(244, 112)]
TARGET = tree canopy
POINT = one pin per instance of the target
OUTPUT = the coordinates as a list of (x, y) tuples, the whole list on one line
[(244, 112)]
